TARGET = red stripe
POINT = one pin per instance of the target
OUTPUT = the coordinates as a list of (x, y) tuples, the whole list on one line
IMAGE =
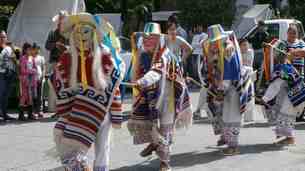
[(83, 122), (89, 104), (85, 109), (83, 127)]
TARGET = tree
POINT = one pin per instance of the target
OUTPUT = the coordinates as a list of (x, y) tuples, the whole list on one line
[(135, 12), (5, 12), (203, 12), (296, 9)]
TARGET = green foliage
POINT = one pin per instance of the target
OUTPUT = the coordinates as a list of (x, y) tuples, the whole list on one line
[(205, 12), (296, 9), (134, 10), (5, 12)]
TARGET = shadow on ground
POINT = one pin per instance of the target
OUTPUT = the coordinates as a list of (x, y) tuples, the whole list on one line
[(185, 160), (300, 126), (17, 122), (177, 161), (257, 125)]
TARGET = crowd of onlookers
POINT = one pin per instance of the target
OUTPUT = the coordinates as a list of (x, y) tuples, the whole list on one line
[(26, 69), (29, 71)]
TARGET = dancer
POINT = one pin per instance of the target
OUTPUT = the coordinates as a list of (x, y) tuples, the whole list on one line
[(285, 93), (89, 104), (160, 99), (228, 86)]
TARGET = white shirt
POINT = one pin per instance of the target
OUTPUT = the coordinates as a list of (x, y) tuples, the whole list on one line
[(6, 58), (248, 58), (40, 62), (196, 43)]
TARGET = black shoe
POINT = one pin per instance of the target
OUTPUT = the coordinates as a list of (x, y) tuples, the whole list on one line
[(32, 117), (55, 116), (149, 150), (300, 119), (21, 117)]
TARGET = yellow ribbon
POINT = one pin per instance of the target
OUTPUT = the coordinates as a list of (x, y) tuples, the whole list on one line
[(76, 21), (172, 91), (83, 60)]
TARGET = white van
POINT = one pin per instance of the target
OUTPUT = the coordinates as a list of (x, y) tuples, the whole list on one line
[(278, 28)]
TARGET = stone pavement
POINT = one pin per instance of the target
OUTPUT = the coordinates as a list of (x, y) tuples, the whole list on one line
[(27, 147)]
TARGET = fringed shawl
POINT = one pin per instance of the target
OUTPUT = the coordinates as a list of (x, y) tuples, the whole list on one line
[(296, 86), (146, 103)]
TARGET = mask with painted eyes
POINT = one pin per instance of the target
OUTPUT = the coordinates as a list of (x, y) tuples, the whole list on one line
[(85, 34)]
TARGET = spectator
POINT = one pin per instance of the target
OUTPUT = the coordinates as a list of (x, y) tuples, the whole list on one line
[(257, 41), (180, 31), (197, 59), (56, 44), (7, 74), (40, 64), (246, 52), (28, 82), (198, 38), (176, 44), (247, 59)]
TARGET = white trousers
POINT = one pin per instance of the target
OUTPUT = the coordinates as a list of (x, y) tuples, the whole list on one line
[(102, 146), (232, 118)]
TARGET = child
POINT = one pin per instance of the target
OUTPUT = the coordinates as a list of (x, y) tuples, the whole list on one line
[(247, 58), (246, 52), (40, 64), (28, 83)]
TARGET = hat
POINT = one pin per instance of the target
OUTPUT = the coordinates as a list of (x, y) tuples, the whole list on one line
[(152, 28), (79, 19), (61, 13), (216, 32)]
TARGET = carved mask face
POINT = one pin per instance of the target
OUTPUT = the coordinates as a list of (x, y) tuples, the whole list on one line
[(85, 34)]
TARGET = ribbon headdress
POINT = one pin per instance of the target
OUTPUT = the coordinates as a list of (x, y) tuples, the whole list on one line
[(137, 45), (228, 65), (72, 27)]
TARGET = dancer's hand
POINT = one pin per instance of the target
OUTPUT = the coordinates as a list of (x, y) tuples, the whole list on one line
[(137, 86), (116, 126)]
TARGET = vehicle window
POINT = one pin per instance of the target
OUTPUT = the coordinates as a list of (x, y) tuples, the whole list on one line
[(273, 30)]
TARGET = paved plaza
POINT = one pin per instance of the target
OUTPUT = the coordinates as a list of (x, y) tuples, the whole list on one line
[(27, 146)]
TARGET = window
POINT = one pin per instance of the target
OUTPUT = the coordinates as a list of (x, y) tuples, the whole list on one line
[(273, 30)]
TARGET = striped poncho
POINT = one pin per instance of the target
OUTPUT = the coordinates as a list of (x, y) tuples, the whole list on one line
[(146, 103), (296, 86), (241, 78), (82, 108)]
